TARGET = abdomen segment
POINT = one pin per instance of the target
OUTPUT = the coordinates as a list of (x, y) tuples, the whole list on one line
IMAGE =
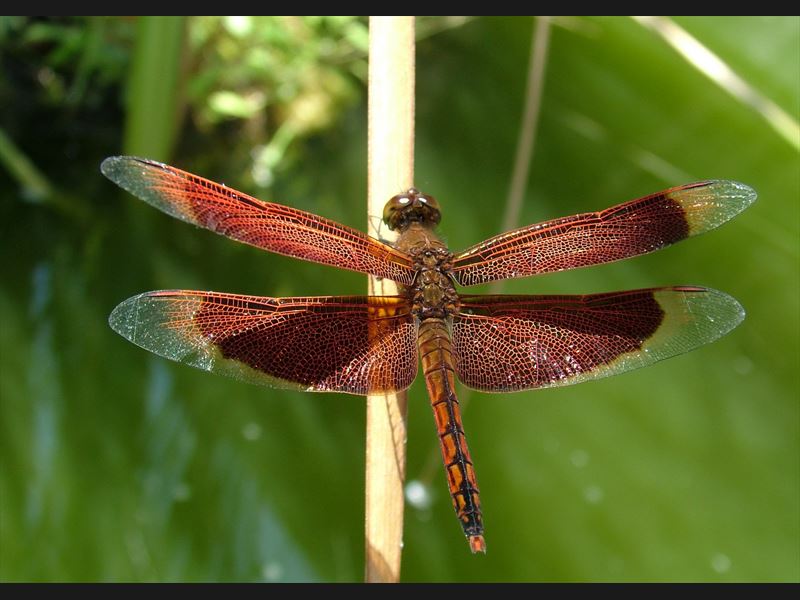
[(436, 353)]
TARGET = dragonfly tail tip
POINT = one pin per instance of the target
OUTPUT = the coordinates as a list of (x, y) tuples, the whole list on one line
[(477, 544)]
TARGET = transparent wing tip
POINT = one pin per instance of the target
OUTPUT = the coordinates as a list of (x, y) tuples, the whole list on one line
[(123, 318), (710, 204), (736, 190), (118, 168), (717, 313), (114, 165), (110, 165), (728, 310)]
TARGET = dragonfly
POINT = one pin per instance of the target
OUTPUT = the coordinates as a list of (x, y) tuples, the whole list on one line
[(373, 344)]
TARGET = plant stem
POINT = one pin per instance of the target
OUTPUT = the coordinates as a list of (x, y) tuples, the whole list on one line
[(36, 185), (391, 170), (153, 101), (526, 142)]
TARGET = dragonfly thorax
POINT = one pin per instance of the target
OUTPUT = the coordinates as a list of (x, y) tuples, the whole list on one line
[(434, 295)]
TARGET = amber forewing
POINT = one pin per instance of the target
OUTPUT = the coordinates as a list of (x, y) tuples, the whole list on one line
[(266, 225), (622, 231)]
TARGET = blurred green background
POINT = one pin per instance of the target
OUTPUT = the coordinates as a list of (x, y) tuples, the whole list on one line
[(118, 465)]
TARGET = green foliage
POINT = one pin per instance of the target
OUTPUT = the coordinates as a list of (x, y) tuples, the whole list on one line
[(116, 465), (288, 77), (152, 102)]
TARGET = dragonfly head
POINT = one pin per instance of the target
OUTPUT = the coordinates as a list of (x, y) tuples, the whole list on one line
[(410, 207)]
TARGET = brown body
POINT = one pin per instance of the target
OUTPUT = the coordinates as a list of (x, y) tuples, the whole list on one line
[(434, 301)]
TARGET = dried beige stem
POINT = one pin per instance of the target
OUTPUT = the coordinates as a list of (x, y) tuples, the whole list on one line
[(391, 170)]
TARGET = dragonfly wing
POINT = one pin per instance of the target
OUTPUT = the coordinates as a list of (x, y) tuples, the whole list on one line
[(266, 225), (509, 343), (351, 344), (636, 227)]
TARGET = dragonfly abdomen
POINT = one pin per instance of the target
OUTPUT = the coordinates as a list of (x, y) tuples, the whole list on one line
[(436, 352)]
